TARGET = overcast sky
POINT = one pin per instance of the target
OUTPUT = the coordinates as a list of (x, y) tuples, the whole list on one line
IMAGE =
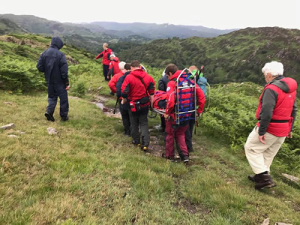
[(220, 14)]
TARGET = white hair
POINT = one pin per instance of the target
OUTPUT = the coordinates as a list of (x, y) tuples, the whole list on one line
[(122, 65), (274, 68)]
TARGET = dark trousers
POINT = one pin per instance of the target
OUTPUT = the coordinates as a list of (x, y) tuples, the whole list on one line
[(177, 133), (105, 71), (139, 120), (55, 91), (163, 123), (188, 138), (124, 110)]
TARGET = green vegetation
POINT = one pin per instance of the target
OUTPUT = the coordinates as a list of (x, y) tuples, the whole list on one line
[(19, 55), (234, 57), (89, 173)]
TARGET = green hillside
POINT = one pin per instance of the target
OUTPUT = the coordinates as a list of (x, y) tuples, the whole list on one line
[(7, 26), (234, 57), (86, 36), (89, 173)]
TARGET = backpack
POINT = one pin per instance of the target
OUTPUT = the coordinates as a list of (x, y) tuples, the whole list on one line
[(202, 83), (185, 98)]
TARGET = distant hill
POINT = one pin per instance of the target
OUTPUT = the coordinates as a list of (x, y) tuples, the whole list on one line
[(155, 31), (110, 30), (88, 36), (237, 56), (8, 26), (39, 25)]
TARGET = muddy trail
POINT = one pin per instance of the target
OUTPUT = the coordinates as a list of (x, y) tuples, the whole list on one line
[(100, 101)]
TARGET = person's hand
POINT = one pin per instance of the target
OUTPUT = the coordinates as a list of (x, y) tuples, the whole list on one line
[(290, 135), (124, 100), (262, 139), (107, 77), (166, 116), (68, 87)]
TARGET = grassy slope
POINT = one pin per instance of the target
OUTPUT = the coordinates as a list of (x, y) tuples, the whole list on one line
[(91, 174)]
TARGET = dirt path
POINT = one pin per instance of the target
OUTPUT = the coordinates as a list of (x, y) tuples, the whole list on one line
[(156, 147)]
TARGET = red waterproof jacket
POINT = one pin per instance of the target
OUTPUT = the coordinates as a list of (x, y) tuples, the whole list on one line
[(280, 119), (115, 64), (113, 82), (171, 91), (105, 54), (133, 87)]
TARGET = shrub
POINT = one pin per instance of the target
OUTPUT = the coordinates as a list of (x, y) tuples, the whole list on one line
[(21, 76)]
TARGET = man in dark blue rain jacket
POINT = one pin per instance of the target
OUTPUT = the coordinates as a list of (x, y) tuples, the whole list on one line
[(53, 64)]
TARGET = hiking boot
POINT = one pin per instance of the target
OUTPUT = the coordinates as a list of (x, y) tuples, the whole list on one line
[(171, 158), (251, 178), (49, 116), (186, 159), (126, 134), (263, 181), (144, 148), (137, 144), (64, 118)]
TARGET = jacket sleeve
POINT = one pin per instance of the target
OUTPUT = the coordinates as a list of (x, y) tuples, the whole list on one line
[(112, 84), (100, 55), (119, 86), (200, 98), (63, 66), (269, 100), (161, 85), (41, 63), (170, 97), (125, 88), (151, 86), (294, 114), (110, 72)]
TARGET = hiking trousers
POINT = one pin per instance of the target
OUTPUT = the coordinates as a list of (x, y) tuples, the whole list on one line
[(139, 121), (259, 155), (178, 133), (105, 71), (124, 110), (188, 138), (55, 91)]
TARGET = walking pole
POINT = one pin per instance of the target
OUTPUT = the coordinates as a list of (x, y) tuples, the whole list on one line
[(197, 123), (116, 105)]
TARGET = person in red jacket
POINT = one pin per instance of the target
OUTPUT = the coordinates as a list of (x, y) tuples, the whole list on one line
[(173, 130), (113, 82), (113, 66), (138, 88), (276, 114), (124, 68), (105, 54)]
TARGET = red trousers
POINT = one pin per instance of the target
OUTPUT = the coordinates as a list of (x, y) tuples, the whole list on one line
[(179, 134)]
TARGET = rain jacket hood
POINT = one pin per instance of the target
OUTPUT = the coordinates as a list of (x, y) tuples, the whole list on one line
[(56, 42), (288, 85), (139, 73)]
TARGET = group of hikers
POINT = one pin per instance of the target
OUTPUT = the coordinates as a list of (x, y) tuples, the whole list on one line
[(136, 95), (183, 100)]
